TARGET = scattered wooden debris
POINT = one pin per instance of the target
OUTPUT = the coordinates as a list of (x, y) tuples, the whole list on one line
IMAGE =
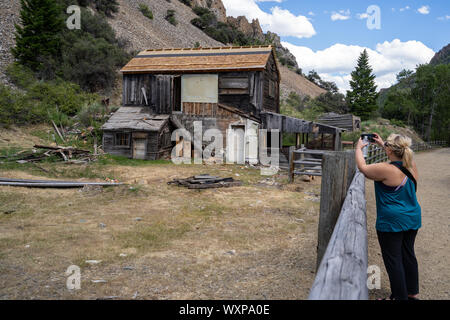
[(205, 181), (41, 152)]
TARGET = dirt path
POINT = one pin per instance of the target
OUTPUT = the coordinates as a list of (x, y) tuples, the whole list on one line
[(433, 240)]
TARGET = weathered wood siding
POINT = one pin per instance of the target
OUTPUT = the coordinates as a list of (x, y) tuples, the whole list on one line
[(109, 145), (158, 91), (242, 90), (271, 103), (158, 143)]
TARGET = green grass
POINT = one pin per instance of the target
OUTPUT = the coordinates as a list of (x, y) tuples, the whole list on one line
[(109, 159), (146, 11), (155, 236)]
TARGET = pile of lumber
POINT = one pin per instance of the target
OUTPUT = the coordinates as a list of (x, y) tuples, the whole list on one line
[(40, 152), (205, 181)]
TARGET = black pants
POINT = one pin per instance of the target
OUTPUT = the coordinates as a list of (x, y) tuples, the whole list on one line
[(397, 249)]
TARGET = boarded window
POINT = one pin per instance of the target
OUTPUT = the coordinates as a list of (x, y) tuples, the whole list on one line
[(199, 88), (122, 139), (233, 85), (272, 88)]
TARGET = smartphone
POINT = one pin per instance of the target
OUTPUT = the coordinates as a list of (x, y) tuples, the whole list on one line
[(370, 136)]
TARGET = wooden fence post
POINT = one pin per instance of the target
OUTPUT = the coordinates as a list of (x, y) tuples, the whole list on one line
[(338, 169), (291, 164)]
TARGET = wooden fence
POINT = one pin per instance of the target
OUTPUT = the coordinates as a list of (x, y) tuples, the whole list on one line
[(377, 154), (342, 274), (342, 233), (308, 163)]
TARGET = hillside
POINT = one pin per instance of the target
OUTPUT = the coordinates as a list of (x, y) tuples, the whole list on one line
[(139, 33), (292, 81), (442, 57)]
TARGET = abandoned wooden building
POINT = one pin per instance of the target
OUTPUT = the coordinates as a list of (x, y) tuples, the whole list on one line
[(233, 89)]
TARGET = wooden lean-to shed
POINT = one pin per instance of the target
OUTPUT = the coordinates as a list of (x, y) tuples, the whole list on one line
[(135, 133)]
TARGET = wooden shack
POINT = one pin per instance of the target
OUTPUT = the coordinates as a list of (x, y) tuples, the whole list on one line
[(135, 133), (347, 121), (232, 89)]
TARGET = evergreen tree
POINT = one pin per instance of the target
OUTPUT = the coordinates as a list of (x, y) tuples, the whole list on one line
[(37, 36), (362, 98)]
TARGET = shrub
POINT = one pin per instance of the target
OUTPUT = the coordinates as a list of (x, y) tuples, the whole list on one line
[(186, 2), (107, 7), (146, 11), (39, 101), (170, 17)]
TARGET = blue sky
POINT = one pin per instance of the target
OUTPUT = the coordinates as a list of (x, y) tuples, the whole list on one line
[(327, 36)]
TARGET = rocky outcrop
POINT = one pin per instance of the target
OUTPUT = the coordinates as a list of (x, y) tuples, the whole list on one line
[(216, 6), (252, 30), (284, 55)]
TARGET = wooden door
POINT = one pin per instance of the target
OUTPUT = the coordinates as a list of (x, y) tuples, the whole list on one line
[(139, 148), (236, 144)]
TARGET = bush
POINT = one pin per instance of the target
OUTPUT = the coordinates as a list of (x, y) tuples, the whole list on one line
[(39, 101), (186, 2), (146, 11), (15, 108), (107, 7), (91, 62), (170, 17)]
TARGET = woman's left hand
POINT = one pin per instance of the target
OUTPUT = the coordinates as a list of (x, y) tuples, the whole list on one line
[(361, 144)]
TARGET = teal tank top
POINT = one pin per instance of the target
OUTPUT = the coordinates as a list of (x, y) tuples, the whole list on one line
[(397, 208)]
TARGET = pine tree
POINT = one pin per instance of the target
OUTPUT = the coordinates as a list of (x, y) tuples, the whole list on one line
[(362, 98), (37, 36)]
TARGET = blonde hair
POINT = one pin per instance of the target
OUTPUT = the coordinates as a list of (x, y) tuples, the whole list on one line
[(400, 146)]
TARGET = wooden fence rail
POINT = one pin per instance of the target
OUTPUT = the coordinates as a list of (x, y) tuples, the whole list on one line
[(377, 154), (342, 274), (308, 163)]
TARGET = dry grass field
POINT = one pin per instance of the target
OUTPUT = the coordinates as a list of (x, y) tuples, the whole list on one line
[(152, 240)]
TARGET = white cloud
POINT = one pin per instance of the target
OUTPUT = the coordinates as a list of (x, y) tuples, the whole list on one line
[(279, 1), (424, 10), (446, 17), (311, 13), (335, 63), (279, 20), (362, 15), (341, 15), (405, 8)]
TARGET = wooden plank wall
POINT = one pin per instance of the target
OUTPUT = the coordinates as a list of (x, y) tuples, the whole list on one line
[(232, 92), (270, 73), (158, 89)]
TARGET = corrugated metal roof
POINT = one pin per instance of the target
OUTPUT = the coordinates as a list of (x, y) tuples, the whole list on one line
[(190, 60), (135, 118)]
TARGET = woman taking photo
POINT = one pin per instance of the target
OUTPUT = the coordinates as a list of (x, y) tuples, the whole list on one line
[(398, 212)]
